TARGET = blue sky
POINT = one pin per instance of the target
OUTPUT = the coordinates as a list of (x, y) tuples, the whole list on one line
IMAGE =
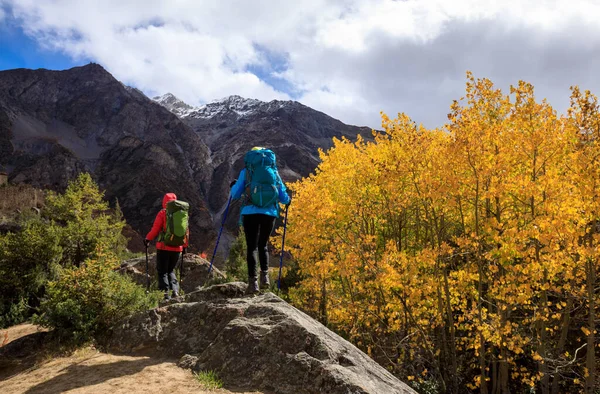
[(349, 58), (269, 70), (17, 50)]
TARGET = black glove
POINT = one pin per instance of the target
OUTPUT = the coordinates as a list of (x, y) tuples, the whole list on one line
[(231, 184), (146, 243)]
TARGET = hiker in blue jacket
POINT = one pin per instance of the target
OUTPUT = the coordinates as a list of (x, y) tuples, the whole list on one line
[(262, 190)]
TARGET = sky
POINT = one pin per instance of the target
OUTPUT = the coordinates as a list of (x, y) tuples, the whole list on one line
[(348, 58)]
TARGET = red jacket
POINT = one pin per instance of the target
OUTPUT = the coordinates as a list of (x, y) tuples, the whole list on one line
[(160, 225)]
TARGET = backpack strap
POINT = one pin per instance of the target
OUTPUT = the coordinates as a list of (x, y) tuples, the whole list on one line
[(247, 180), (279, 185), (161, 235)]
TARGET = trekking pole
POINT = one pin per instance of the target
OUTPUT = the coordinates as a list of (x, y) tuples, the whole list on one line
[(147, 274), (282, 247), (181, 271), (212, 259)]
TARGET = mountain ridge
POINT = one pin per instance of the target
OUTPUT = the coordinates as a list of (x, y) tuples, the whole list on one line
[(243, 106)]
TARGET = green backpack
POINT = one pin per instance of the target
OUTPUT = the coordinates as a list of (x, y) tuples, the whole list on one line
[(176, 223)]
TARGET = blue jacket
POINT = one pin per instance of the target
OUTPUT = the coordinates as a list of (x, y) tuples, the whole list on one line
[(238, 190)]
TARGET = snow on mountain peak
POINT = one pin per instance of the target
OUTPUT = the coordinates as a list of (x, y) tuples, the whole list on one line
[(236, 101), (234, 105), (239, 105), (173, 104)]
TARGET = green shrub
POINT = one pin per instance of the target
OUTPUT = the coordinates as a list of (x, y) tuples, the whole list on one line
[(236, 267), (87, 300), (290, 276), (14, 313), (28, 259), (86, 222), (75, 226), (426, 386)]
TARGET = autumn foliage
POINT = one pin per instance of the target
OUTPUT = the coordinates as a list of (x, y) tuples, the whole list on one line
[(463, 258)]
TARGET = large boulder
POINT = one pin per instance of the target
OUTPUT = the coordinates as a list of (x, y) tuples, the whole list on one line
[(195, 271), (254, 343)]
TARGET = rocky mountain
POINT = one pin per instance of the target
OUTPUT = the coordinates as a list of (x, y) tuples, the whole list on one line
[(56, 124), (173, 104), (233, 125)]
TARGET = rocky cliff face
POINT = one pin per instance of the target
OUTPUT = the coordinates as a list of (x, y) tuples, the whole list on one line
[(254, 343), (56, 124)]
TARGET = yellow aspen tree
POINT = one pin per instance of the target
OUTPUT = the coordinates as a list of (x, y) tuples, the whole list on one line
[(585, 121), (464, 258)]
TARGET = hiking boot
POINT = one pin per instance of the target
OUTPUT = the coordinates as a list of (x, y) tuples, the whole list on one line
[(265, 283), (252, 286), (167, 295), (175, 294)]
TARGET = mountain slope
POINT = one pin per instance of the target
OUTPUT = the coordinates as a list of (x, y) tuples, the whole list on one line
[(295, 132), (173, 104), (55, 124)]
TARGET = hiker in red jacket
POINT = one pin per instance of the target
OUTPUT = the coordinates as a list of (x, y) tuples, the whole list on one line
[(166, 256)]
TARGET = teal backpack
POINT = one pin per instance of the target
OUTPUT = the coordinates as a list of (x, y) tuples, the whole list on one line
[(262, 177), (176, 224)]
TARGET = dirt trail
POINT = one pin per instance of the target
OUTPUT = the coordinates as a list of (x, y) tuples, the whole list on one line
[(90, 371)]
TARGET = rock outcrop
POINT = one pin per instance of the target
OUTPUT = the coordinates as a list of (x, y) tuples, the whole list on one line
[(254, 343)]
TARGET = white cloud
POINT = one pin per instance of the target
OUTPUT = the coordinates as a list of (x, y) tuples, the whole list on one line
[(349, 59)]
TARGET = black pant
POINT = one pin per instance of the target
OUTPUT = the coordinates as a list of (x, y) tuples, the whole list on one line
[(257, 228), (166, 261)]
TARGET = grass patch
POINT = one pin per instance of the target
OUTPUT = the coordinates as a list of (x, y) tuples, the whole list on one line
[(209, 379), (128, 255)]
